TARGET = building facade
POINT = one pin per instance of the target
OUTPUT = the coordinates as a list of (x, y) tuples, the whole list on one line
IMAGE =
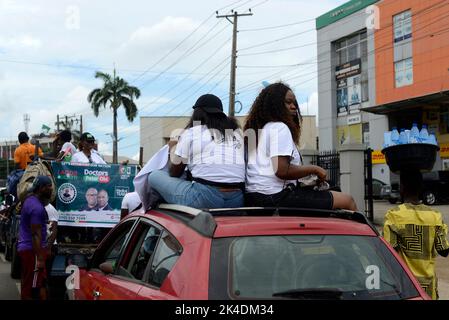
[(155, 132), (383, 64), (347, 80)]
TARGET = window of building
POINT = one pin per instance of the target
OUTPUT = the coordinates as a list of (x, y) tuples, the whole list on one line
[(402, 26), (403, 71), (350, 48), (352, 89)]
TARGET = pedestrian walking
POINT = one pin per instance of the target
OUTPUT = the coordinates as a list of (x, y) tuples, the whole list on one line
[(32, 244), (417, 232)]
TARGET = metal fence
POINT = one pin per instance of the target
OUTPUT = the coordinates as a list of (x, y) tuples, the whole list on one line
[(330, 161), (369, 205)]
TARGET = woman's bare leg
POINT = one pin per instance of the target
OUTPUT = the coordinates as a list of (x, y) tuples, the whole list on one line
[(343, 201)]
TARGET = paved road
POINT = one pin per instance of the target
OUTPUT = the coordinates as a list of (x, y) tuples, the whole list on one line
[(9, 288), (441, 264)]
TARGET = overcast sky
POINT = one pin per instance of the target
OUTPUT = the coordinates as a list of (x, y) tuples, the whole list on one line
[(173, 51)]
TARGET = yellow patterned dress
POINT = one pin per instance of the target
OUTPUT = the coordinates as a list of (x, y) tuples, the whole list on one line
[(418, 233)]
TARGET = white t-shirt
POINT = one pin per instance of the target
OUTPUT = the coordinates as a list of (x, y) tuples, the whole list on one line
[(69, 149), (221, 161), (131, 201), (80, 157), (275, 140), (53, 215)]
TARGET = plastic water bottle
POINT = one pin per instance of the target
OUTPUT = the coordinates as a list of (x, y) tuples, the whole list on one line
[(394, 136), (387, 139), (403, 137), (424, 134), (433, 139), (414, 133)]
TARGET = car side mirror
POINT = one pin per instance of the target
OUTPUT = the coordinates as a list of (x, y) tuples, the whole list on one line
[(106, 267)]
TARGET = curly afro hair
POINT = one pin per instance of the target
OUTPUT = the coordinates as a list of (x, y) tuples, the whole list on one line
[(269, 106)]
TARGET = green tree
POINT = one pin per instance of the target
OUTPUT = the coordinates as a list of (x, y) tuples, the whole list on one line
[(115, 92)]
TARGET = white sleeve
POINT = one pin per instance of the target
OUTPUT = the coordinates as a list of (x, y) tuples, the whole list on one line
[(280, 140), (52, 213), (125, 204), (65, 146), (184, 144)]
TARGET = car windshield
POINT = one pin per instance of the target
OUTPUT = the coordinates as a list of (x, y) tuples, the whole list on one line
[(315, 266)]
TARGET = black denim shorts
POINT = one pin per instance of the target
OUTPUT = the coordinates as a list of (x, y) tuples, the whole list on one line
[(292, 197)]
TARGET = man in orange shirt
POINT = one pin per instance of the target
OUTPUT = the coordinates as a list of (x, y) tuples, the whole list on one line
[(25, 152)]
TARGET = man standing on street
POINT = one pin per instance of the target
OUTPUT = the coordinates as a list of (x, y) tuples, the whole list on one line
[(417, 232), (32, 244), (25, 152)]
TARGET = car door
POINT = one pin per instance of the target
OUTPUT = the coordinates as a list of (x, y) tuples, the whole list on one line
[(166, 254), (98, 285)]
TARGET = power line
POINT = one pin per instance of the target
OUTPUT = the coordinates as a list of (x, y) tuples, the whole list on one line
[(278, 26)]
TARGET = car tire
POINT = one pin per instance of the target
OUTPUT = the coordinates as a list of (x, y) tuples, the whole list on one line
[(393, 200), (15, 263), (429, 198)]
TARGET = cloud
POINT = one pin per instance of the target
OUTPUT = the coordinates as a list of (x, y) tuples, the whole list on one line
[(21, 42), (148, 43)]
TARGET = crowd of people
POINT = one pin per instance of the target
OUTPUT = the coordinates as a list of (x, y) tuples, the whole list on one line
[(214, 163)]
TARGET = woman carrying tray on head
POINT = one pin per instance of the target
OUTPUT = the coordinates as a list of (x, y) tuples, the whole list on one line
[(274, 162), (211, 148)]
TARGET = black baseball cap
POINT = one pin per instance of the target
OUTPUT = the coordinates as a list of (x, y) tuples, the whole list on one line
[(209, 103), (86, 136), (40, 181)]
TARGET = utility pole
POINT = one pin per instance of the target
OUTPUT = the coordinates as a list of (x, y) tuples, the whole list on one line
[(234, 15)]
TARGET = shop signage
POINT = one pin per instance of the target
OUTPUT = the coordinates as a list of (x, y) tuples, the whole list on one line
[(444, 150), (348, 69), (355, 119), (377, 157)]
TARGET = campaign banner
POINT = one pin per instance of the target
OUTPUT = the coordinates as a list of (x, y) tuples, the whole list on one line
[(90, 195)]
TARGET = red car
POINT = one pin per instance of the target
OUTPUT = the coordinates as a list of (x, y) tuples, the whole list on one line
[(177, 252)]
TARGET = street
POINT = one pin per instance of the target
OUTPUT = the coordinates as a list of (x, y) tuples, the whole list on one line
[(9, 288)]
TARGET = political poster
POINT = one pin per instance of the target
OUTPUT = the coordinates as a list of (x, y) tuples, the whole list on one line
[(90, 195)]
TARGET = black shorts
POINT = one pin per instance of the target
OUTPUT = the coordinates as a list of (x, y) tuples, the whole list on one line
[(292, 197)]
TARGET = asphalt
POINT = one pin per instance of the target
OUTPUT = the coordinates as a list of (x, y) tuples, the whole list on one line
[(9, 288)]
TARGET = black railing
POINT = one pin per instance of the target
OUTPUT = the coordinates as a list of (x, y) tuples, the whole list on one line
[(330, 161), (369, 206)]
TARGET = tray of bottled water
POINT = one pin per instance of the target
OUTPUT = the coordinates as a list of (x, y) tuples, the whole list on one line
[(412, 149)]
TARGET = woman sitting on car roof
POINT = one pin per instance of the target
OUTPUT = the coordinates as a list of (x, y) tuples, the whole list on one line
[(274, 161), (211, 148)]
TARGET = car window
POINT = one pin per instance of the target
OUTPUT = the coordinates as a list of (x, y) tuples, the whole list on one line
[(142, 246), (348, 267), (113, 246), (167, 253)]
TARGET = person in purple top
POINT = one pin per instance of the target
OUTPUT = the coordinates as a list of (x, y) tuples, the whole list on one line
[(32, 244)]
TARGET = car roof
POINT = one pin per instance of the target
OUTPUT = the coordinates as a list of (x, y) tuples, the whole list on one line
[(250, 226), (217, 223)]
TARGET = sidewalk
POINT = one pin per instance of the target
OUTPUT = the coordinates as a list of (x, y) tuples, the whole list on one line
[(441, 264)]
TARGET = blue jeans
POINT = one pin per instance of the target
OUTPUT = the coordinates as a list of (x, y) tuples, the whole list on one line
[(191, 193)]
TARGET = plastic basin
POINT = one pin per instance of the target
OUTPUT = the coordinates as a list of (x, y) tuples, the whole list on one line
[(412, 156)]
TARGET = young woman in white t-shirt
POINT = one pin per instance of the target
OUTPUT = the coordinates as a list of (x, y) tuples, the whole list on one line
[(274, 162), (211, 148)]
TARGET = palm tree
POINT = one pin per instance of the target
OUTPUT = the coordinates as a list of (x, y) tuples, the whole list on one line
[(116, 92)]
